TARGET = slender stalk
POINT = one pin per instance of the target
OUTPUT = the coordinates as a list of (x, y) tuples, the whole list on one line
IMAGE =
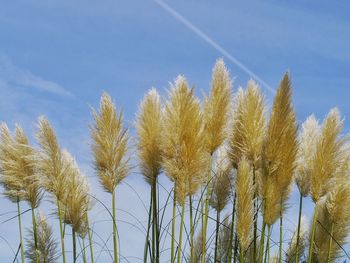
[(256, 213), (155, 222), (241, 256), (114, 229), (20, 229), (262, 242), (232, 229), (145, 253), (330, 244), (298, 231), (61, 232), (267, 250), (311, 245), (173, 228), (84, 252), (281, 235), (191, 231), (236, 249), (180, 236), (90, 239), (35, 236), (206, 214), (217, 236), (74, 246)]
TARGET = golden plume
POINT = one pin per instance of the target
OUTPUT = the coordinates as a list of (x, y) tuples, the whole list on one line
[(149, 128), (307, 149), (217, 107), (18, 167), (221, 184), (245, 202), (249, 124), (47, 245), (280, 149), (292, 249), (184, 155), (50, 161), (333, 220), (328, 155), (109, 144), (76, 202)]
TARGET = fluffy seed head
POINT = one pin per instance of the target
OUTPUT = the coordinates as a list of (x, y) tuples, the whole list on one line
[(221, 183), (18, 167), (47, 245), (292, 249), (51, 166), (245, 202), (249, 124), (280, 150), (184, 154), (109, 144), (307, 149), (328, 155), (217, 107), (149, 128)]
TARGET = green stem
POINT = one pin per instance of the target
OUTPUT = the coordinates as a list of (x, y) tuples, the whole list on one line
[(330, 244), (35, 236), (217, 236), (155, 222), (206, 214), (267, 250), (311, 245), (262, 242), (145, 252), (173, 228), (90, 239), (232, 230), (20, 230), (241, 255), (281, 235), (115, 245), (180, 236), (236, 249), (191, 231), (256, 213), (61, 231), (298, 231), (74, 246), (84, 252)]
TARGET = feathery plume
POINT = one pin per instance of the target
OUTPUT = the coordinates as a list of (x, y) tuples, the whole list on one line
[(249, 124), (109, 145), (279, 154), (76, 202), (184, 155), (333, 220), (221, 184), (224, 239), (328, 155), (50, 161), (217, 107), (292, 249), (149, 129), (245, 202), (18, 167), (308, 138), (47, 245)]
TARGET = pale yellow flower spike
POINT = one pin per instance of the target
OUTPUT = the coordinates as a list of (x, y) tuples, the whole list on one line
[(149, 129)]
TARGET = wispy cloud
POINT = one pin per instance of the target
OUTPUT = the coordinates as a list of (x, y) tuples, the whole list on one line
[(23, 77), (212, 43)]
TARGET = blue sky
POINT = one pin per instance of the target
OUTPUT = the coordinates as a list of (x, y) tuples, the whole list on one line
[(56, 58)]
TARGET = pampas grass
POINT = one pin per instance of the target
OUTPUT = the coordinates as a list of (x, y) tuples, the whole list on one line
[(240, 163)]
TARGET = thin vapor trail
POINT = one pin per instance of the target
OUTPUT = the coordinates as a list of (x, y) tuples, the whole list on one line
[(212, 43)]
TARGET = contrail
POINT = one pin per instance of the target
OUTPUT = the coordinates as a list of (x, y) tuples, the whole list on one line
[(212, 43)]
